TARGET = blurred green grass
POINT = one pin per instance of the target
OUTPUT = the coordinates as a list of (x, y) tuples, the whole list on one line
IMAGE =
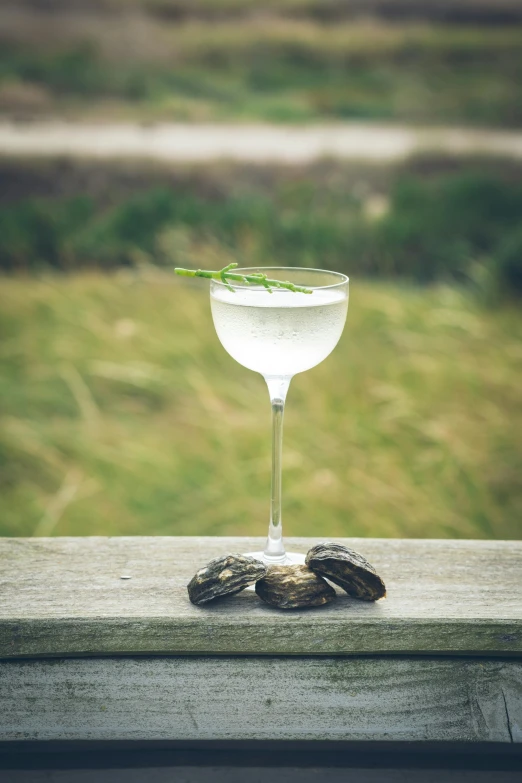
[(111, 66), (122, 414)]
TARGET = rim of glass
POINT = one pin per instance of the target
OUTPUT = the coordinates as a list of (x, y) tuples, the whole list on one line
[(342, 281)]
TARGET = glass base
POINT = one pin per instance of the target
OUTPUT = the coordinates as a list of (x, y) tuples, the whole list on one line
[(290, 558)]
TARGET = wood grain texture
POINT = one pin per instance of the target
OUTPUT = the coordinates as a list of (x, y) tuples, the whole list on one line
[(65, 596), (230, 698), (259, 775)]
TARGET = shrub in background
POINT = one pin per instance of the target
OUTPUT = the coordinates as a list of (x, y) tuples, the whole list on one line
[(435, 228)]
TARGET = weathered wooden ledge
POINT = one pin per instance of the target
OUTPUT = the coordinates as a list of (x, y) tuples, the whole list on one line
[(100, 644), (68, 597)]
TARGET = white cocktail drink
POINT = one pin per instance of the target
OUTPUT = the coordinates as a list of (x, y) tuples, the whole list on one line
[(282, 333)]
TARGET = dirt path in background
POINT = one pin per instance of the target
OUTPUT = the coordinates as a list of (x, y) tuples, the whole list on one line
[(252, 143)]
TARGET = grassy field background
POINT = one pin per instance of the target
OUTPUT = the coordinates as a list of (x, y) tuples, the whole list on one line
[(122, 414), (114, 62), (120, 411)]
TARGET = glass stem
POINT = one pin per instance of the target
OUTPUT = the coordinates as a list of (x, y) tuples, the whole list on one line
[(275, 550)]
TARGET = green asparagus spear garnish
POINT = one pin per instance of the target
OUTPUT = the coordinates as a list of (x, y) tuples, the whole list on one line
[(256, 278)]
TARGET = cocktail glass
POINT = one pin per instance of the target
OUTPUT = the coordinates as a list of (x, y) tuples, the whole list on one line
[(280, 334)]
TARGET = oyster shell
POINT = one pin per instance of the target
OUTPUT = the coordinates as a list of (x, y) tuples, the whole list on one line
[(348, 569), (224, 576), (294, 587)]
